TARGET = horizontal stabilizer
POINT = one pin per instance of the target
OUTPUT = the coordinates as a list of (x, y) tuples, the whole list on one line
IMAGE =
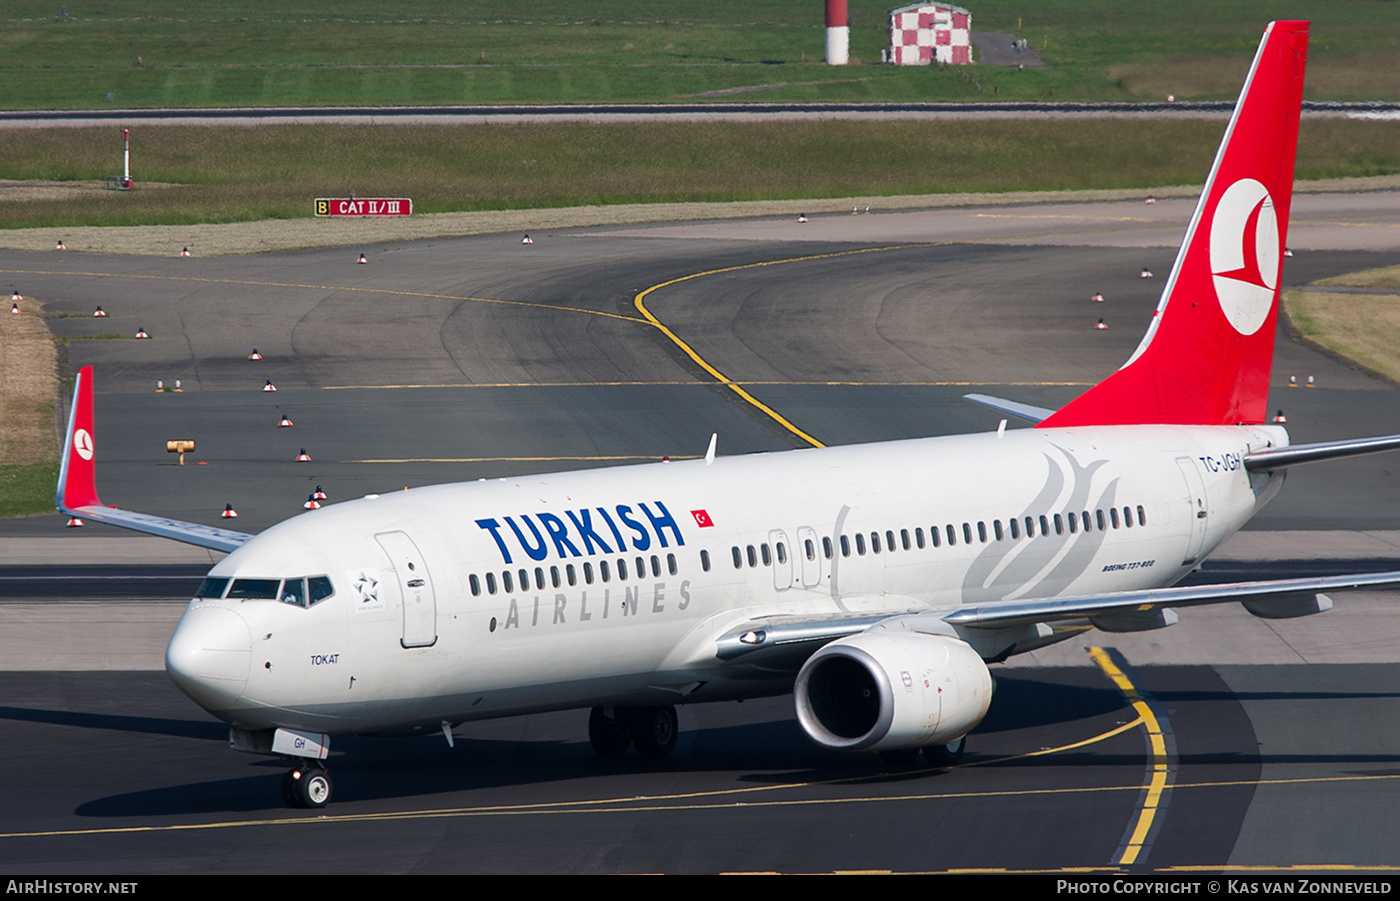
[(1010, 407), (1293, 455)]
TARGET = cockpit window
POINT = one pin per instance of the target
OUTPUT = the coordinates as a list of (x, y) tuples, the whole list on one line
[(321, 588), (294, 592), (254, 589), (212, 588)]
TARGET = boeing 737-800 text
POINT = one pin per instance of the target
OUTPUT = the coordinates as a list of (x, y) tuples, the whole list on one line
[(875, 582)]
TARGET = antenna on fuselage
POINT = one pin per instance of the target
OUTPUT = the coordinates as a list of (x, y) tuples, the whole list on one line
[(710, 454)]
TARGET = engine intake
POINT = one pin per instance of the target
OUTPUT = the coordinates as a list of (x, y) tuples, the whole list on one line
[(884, 690)]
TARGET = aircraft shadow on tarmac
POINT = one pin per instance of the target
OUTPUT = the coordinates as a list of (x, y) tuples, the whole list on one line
[(209, 731), (767, 748)]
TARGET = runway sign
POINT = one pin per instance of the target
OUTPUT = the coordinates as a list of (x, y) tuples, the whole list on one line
[(364, 206)]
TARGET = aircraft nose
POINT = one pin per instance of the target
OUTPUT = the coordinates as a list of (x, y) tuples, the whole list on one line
[(209, 656)]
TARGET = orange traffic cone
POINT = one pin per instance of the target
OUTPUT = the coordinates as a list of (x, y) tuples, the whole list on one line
[(99, 313), (269, 386), (285, 422), (229, 512), (303, 457), (255, 355)]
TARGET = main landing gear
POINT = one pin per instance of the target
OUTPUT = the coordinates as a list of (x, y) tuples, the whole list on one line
[(651, 729), (937, 755), (308, 785)]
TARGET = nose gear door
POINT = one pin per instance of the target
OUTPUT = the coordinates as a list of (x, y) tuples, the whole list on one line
[(419, 602)]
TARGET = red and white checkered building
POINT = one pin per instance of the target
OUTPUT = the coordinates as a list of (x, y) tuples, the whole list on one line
[(922, 33)]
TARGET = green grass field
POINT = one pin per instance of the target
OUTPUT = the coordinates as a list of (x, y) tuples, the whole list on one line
[(158, 53), (242, 174)]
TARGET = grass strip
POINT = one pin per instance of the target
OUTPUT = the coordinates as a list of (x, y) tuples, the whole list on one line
[(229, 174), (1385, 277), (27, 488), (162, 53), (1362, 328)]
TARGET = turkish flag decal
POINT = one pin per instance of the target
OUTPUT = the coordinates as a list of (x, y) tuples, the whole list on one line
[(702, 519)]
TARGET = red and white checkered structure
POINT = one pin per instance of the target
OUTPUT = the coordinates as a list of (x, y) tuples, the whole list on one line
[(922, 33)]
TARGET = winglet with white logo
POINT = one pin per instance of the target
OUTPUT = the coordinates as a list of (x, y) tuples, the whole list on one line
[(1206, 357), (77, 485)]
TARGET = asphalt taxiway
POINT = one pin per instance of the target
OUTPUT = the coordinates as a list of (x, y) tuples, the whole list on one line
[(457, 359)]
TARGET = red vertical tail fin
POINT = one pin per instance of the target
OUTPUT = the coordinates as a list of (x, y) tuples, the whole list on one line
[(77, 479), (1206, 357)]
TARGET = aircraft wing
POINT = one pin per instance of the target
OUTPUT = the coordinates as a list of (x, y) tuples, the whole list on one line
[(77, 485), (788, 640), (1028, 412)]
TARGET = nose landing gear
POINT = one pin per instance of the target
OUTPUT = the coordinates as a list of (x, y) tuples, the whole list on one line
[(307, 786)]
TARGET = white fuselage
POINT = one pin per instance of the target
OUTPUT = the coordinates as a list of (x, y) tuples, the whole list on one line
[(611, 586)]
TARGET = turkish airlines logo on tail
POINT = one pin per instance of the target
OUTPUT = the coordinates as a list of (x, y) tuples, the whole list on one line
[(82, 444), (1244, 254)]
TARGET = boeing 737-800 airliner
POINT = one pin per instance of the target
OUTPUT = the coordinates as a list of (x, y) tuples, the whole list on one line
[(875, 582)]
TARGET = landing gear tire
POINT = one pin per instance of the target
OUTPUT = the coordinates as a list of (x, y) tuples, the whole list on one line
[(610, 736), (309, 787), (654, 731), (902, 759), (946, 755)]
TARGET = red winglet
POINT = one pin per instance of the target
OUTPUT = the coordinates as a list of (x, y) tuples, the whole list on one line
[(1206, 357), (77, 482)]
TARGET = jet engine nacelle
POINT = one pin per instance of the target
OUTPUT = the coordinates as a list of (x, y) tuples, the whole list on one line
[(884, 690)]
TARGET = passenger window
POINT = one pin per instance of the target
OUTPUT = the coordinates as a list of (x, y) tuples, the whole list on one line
[(507, 583), (780, 549), (587, 573), (1059, 525), (1015, 529), (738, 559), (904, 538), (1113, 516), (475, 584), (1098, 515), (875, 542), (826, 547), (767, 554), (570, 575), (524, 580), (967, 533), (889, 540), (554, 576), (622, 567), (982, 532), (1142, 516), (490, 583), (1073, 523), (1044, 526), (671, 564), (655, 566), (1127, 518), (860, 543), (810, 548), (996, 529), (919, 538), (952, 535), (604, 572), (752, 555), (845, 546), (1030, 527), (935, 536), (705, 560)]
